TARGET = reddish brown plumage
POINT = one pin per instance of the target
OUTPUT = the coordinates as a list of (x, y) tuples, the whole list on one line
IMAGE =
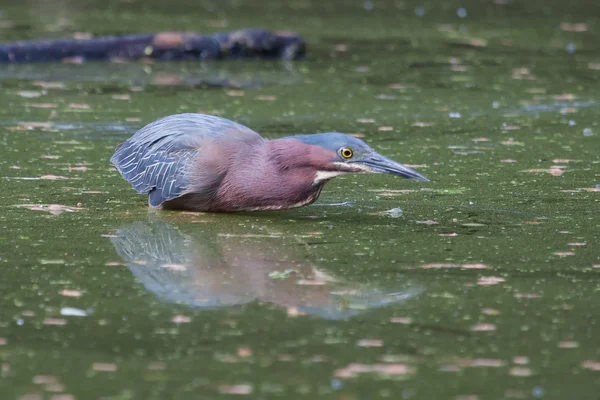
[(206, 163), (278, 173)]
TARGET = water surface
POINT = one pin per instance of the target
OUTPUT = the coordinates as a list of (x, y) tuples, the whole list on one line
[(485, 287)]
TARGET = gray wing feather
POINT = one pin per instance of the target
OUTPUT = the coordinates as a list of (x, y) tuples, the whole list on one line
[(157, 158)]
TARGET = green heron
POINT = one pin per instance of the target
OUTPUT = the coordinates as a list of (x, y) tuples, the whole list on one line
[(205, 163)]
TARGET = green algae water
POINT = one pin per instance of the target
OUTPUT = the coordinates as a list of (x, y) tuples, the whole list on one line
[(481, 284)]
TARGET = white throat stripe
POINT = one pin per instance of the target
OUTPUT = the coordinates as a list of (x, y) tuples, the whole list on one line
[(327, 175)]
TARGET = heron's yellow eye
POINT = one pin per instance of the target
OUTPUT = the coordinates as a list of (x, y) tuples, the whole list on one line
[(346, 152)]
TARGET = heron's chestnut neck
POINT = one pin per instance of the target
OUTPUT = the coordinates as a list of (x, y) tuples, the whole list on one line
[(289, 153)]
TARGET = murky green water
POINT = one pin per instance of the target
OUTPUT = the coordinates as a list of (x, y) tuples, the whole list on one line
[(485, 288)]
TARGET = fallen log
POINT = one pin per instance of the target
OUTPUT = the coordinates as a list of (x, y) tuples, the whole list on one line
[(162, 46)]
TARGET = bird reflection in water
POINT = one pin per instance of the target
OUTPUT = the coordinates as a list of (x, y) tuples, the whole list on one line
[(210, 270)]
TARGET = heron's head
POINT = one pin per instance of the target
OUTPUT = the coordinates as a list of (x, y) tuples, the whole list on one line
[(338, 154)]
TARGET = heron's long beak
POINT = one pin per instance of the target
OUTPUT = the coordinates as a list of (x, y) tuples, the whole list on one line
[(381, 164)]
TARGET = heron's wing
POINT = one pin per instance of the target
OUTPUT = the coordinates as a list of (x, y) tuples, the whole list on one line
[(158, 157)]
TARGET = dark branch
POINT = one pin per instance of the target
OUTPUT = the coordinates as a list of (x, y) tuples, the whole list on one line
[(158, 46)]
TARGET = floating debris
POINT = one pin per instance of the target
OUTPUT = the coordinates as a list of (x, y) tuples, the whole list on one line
[(527, 296), (483, 328), (385, 97), (511, 142), (520, 360), (45, 379), (490, 311), (394, 212), (355, 369), (55, 321), (293, 312), (28, 94), (490, 280), (564, 253), (156, 366), (551, 171), (421, 124), (235, 93), (466, 397), (568, 344), (73, 312), (75, 106), (590, 364), (244, 352), (449, 265), (486, 362), (574, 27), (365, 120), (520, 371), (451, 234), (52, 262), (181, 319), (242, 389), (522, 74), (104, 367), (427, 222), (565, 96), (70, 293), (54, 209), (266, 98), (370, 343)]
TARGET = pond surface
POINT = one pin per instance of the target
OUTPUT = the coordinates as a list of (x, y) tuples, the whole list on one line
[(485, 286)]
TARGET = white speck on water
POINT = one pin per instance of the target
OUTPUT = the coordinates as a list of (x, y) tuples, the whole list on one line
[(537, 392), (29, 94), (588, 132), (336, 384), (495, 104), (395, 212), (471, 203), (454, 115), (20, 322), (572, 123), (571, 48), (461, 12), (420, 11), (73, 312)]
